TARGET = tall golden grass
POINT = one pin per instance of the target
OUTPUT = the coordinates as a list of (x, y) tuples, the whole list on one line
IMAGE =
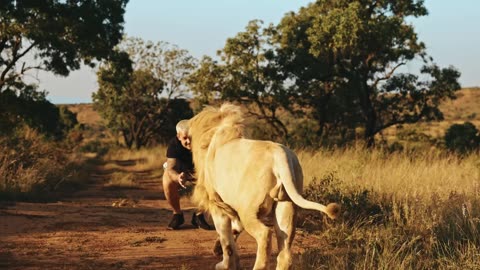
[(402, 210), (403, 174)]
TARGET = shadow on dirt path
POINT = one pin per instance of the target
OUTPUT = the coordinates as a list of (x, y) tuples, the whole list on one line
[(111, 228)]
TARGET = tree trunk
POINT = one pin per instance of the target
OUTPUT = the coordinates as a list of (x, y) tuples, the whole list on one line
[(321, 109), (369, 113)]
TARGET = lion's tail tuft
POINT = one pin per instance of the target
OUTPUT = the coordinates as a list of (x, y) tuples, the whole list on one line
[(333, 210)]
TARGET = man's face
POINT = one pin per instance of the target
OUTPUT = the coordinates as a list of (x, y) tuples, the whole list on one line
[(184, 139)]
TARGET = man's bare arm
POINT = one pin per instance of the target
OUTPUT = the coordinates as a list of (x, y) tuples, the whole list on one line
[(173, 170)]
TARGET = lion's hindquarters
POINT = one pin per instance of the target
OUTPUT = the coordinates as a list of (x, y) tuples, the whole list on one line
[(288, 170), (242, 174)]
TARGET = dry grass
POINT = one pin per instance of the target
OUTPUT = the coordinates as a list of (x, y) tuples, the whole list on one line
[(147, 159), (126, 163), (464, 107), (399, 173), (32, 167), (401, 210)]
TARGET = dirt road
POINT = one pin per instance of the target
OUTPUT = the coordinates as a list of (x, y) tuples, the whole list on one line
[(102, 228)]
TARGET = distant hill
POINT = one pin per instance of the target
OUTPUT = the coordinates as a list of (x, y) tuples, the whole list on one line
[(466, 107)]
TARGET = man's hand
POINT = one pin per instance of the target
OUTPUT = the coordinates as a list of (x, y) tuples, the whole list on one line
[(182, 179)]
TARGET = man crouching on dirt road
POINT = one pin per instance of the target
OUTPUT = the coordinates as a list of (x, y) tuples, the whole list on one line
[(179, 169)]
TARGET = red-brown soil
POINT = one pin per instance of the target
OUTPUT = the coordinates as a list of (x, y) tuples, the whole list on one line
[(89, 230)]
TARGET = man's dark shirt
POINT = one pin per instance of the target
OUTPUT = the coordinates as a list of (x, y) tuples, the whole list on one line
[(176, 150)]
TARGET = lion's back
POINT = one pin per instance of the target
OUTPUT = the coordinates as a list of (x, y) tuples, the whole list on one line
[(244, 165), (246, 154)]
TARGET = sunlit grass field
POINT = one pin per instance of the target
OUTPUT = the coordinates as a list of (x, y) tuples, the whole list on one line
[(402, 174), (401, 210)]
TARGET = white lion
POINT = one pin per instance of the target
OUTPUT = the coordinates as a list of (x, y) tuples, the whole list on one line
[(241, 180)]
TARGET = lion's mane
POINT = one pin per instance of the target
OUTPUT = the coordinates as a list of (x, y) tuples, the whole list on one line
[(211, 128)]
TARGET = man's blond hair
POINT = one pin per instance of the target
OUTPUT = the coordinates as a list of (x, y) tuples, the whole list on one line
[(182, 126)]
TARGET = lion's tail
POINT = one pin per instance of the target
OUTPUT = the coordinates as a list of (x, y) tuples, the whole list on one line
[(212, 203), (291, 174)]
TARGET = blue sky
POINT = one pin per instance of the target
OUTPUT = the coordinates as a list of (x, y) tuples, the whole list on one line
[(451, 32)]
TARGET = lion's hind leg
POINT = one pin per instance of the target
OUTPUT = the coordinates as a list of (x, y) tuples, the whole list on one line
[(224, 229), (285, 218), (237, 229), (262, 235)]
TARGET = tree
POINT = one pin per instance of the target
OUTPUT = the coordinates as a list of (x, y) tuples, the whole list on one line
[(207, 81), (58, 34), (333, 46), (247, 73), (167, 62), (140, 91), (55, 36), (24, 105), (128, 100)]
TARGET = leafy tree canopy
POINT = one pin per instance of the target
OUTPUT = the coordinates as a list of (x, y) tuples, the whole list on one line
[(140, 91), (166, 61), (29, 107), (59, 35), (331, 46), (247, 73), (339, 62)]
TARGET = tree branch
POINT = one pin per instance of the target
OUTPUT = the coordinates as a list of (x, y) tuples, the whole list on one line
[(389, 75), (2, 44), (12, 63)]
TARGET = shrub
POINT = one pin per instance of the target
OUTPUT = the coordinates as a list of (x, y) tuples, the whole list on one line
[(462, 138), (28, 107), (357, 205), (35, 168), (68, 119)]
